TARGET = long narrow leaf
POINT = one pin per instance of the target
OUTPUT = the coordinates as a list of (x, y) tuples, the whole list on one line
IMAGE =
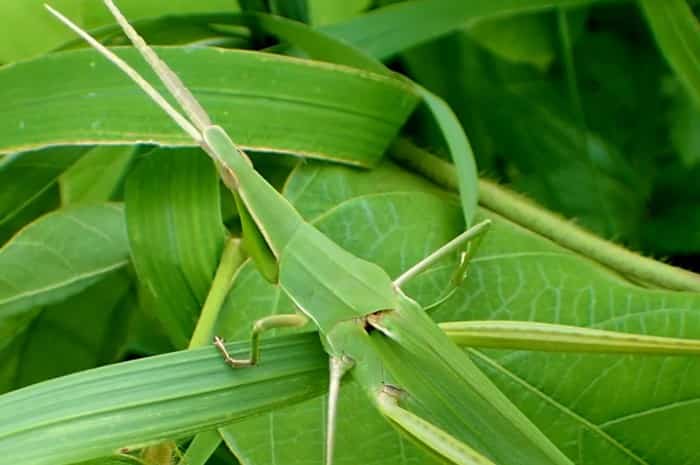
[(267, 102), (119, 407)]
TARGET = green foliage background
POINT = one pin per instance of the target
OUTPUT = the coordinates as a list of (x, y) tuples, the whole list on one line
[(110, 244)]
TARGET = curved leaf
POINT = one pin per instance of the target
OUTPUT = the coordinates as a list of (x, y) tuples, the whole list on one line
[(176, 234), (59, 255), (266, 102)]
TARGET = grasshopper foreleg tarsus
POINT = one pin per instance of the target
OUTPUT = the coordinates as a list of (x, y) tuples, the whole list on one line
[(471, 237), (293, 320), (338, 366)]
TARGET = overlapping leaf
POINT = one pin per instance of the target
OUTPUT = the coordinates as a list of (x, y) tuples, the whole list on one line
[(47, 261), (176, 234), (275, 99)]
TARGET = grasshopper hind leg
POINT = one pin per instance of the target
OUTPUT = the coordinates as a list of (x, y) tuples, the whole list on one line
[(338, 366), (433, 437)]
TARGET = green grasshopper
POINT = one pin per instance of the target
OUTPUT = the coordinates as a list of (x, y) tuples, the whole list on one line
[(410, 369)]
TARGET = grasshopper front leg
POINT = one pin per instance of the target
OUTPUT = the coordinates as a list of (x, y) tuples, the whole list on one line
[(294, 320), (471, 237)]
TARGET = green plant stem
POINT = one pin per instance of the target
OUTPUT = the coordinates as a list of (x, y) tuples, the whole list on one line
[(526, 213), (201, 448), (231, 258)]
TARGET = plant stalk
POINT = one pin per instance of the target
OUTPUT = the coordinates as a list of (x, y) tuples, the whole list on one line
[(526, 213), (231, 259)]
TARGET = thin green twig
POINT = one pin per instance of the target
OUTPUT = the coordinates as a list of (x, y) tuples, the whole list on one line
[(231, 258), (526, 213)]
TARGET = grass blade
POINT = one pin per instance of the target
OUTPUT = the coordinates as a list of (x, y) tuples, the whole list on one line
[(176, 234), (276, 99), (123, 406)]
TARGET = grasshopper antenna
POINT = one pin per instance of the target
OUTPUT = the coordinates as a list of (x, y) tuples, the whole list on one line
[(172, 82), (339, 365), (134, 75)]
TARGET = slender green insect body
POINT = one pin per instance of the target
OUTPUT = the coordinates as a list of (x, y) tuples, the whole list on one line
[(349, 300), (362, 315), (410, 369)]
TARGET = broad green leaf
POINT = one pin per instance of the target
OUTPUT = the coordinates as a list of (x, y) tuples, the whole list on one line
[(337, 186), (82, 332), (97, 176), (26, 179), (59, 255), (128, 405), (678, 34), (276, 99), (596, 408), (515, 276), (176, 234)]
